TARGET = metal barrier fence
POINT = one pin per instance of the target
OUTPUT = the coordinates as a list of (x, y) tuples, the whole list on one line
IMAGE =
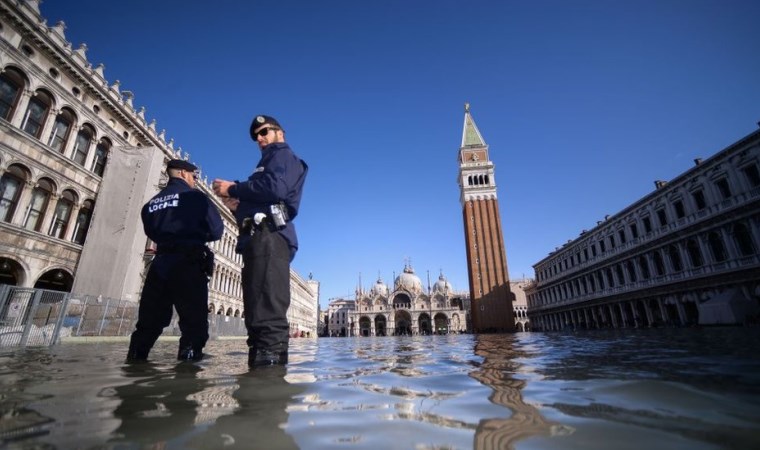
[(41, 317)]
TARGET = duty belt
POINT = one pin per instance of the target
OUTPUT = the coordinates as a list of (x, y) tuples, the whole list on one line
[(250, 227)]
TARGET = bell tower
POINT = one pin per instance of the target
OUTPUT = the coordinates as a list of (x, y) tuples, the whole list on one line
[(490, 296)]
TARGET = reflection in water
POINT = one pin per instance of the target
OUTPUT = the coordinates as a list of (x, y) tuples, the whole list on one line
[(261, 416), (496, 371), (685, 388), (158, 406)]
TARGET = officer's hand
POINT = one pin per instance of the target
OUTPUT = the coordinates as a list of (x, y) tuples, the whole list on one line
[(221, 187), (231, 203)]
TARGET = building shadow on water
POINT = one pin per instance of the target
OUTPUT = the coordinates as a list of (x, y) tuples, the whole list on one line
[(497, 372), (179, 408)]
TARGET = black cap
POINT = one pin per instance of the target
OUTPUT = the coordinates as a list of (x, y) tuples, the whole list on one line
[(261, 120), (180, 164)]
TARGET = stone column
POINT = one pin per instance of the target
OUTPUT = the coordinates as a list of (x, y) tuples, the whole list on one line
[(47, 127), (23, 203), (49, 213), (21, 107), (68, 233)]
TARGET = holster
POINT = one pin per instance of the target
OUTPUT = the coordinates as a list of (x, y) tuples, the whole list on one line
[(208, 262)]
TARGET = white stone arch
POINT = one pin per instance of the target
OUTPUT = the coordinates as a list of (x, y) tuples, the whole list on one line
[(25, 274)]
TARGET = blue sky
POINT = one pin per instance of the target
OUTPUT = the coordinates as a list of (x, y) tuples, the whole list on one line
[(583, 104)]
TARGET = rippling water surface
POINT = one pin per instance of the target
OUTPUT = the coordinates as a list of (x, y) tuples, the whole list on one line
[(642, 389)]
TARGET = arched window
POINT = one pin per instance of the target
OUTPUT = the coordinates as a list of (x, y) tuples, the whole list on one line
[(62, 214), (82, 144), (695, 254), (36, 113), (83, 221), (717, 248), (101, 157), (35, 212), (675, 258), (11, 185), (743, 240), (11, 84), (61, 130)]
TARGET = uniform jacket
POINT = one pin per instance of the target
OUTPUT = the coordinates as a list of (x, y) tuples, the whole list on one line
[(278, 177), (179, 214)]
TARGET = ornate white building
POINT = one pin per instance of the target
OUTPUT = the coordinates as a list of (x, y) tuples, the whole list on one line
[(407, 309), (77, 162), (685, 254)]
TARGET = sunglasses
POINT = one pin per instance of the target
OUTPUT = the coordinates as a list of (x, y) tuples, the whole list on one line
[(264, 131)]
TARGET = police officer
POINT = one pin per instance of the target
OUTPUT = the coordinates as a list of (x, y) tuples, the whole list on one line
[(265, 205), (180, 220)]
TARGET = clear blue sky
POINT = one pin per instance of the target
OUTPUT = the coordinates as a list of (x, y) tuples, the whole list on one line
[(583, 104)]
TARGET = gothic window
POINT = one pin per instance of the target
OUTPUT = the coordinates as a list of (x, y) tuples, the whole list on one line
[(62, 214), (82, 144), (101, 157), (743, 239), (717, 248), (61, 130), (35, 212), (11, 84), (83, 222), (695, 254), (11, 185), (36, 113)]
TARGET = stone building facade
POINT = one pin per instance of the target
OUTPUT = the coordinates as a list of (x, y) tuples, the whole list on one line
[(406, 309), (685, 254), (77, 161)]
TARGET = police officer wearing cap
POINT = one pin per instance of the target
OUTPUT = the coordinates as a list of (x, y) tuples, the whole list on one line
[(180, 220), (265, 205)]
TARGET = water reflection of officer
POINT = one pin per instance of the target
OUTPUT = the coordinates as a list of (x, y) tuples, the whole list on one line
[(257, 423), (180, 220), (157, 406), (265, 205)]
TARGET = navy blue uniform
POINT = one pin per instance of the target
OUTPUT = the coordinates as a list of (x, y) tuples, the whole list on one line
[(278, 178), (180, 220)]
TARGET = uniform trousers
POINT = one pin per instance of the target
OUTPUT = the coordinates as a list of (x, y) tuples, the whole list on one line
[(178, 280), (266, 289)]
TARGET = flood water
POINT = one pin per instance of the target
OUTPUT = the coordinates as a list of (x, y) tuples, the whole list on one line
[(633, 389)]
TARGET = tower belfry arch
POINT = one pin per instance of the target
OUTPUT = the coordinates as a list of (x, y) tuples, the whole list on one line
[(491, 298)]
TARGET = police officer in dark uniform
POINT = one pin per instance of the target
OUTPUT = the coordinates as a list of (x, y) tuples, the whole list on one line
[(265, 205), (180, 220)]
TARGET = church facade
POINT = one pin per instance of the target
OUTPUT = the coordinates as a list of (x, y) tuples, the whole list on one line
[(405, 309)]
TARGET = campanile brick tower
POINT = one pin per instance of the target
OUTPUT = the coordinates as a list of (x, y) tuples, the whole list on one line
[(491, 299)]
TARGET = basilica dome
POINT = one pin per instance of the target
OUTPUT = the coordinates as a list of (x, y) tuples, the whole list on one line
[(409, 281), (442, 286), (379, 288)]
